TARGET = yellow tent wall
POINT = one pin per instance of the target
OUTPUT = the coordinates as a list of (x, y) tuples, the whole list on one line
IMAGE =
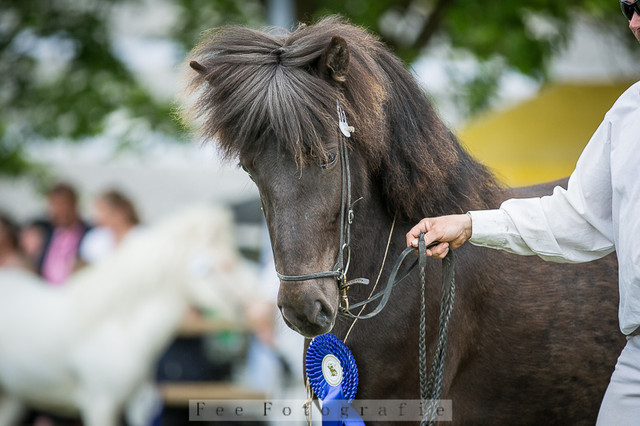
[(540, 139)]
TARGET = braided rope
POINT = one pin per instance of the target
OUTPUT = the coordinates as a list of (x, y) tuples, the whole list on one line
[(422, 344), (431, 389)]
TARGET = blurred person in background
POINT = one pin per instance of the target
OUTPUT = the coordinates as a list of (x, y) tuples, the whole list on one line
[(62, 241), (10, 254), (32, 239), (116, 218)]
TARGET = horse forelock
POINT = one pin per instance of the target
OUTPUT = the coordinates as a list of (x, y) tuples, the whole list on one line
[(256, 88)]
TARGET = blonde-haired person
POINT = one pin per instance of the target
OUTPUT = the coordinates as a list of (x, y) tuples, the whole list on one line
[(597, 214), (116, 219)]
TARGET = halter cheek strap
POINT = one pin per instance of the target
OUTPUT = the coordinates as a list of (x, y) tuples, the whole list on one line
[(347, 215)]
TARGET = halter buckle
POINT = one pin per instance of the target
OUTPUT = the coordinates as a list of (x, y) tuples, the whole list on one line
[(344, 303)]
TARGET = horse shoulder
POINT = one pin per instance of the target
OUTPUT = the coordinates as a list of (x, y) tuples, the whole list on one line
[(537, 190)]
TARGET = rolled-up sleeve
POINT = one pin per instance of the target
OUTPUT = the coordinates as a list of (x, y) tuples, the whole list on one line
[(572, 225)]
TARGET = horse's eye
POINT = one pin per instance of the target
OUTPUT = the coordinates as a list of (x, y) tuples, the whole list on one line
[(247, 171), (331, 159)]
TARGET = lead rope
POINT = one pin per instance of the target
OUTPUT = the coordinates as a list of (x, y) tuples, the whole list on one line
[(422, 343), (431, 388)]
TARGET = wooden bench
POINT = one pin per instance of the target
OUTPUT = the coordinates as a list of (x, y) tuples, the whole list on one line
[(178, 394)]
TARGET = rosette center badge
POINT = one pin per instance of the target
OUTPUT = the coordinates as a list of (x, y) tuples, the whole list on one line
[(332, 370)]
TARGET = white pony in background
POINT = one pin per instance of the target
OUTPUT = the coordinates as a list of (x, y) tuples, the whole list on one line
[(92, 345)]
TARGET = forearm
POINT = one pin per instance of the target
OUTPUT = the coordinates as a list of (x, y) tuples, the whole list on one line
[(553, 228)]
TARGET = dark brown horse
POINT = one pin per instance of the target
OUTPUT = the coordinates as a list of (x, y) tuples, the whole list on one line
[(531, 343)]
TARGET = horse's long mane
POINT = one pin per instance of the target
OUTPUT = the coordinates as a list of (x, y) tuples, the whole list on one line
[(257, 87)]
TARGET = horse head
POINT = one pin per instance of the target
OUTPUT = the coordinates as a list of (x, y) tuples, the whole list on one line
[(276, 111), (272, 101)]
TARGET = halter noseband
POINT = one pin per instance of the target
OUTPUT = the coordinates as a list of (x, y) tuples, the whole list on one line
[(341, 267)]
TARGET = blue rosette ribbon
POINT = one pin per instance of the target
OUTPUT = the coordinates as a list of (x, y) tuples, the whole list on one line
[(333, 376)]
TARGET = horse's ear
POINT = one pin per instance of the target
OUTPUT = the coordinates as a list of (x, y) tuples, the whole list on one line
[(198, 67), (335, 60)]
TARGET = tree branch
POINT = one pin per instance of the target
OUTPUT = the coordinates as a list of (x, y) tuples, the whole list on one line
[(433, 23)]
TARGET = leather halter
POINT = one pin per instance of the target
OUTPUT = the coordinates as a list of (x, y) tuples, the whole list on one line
[(341, 267)]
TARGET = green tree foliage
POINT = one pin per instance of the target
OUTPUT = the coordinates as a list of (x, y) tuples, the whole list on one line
[(61, 78), (488, 28), (520, 35)]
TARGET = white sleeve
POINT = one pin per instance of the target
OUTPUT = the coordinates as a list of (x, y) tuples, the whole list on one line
[(573, 225), (97, 244)]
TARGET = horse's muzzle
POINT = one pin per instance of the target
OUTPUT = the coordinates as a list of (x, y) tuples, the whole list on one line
[(317, 319)]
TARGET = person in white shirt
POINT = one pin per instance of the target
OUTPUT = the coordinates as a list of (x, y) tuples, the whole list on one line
[(116, 219), (597, 214)]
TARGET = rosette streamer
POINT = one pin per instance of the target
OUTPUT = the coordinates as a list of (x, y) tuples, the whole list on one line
[(333, 376)]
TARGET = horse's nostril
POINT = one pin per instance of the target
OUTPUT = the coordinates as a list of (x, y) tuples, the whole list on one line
[(323, 316), (323, 320)]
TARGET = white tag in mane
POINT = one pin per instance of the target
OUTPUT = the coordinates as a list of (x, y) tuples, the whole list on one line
[(342, 122)]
